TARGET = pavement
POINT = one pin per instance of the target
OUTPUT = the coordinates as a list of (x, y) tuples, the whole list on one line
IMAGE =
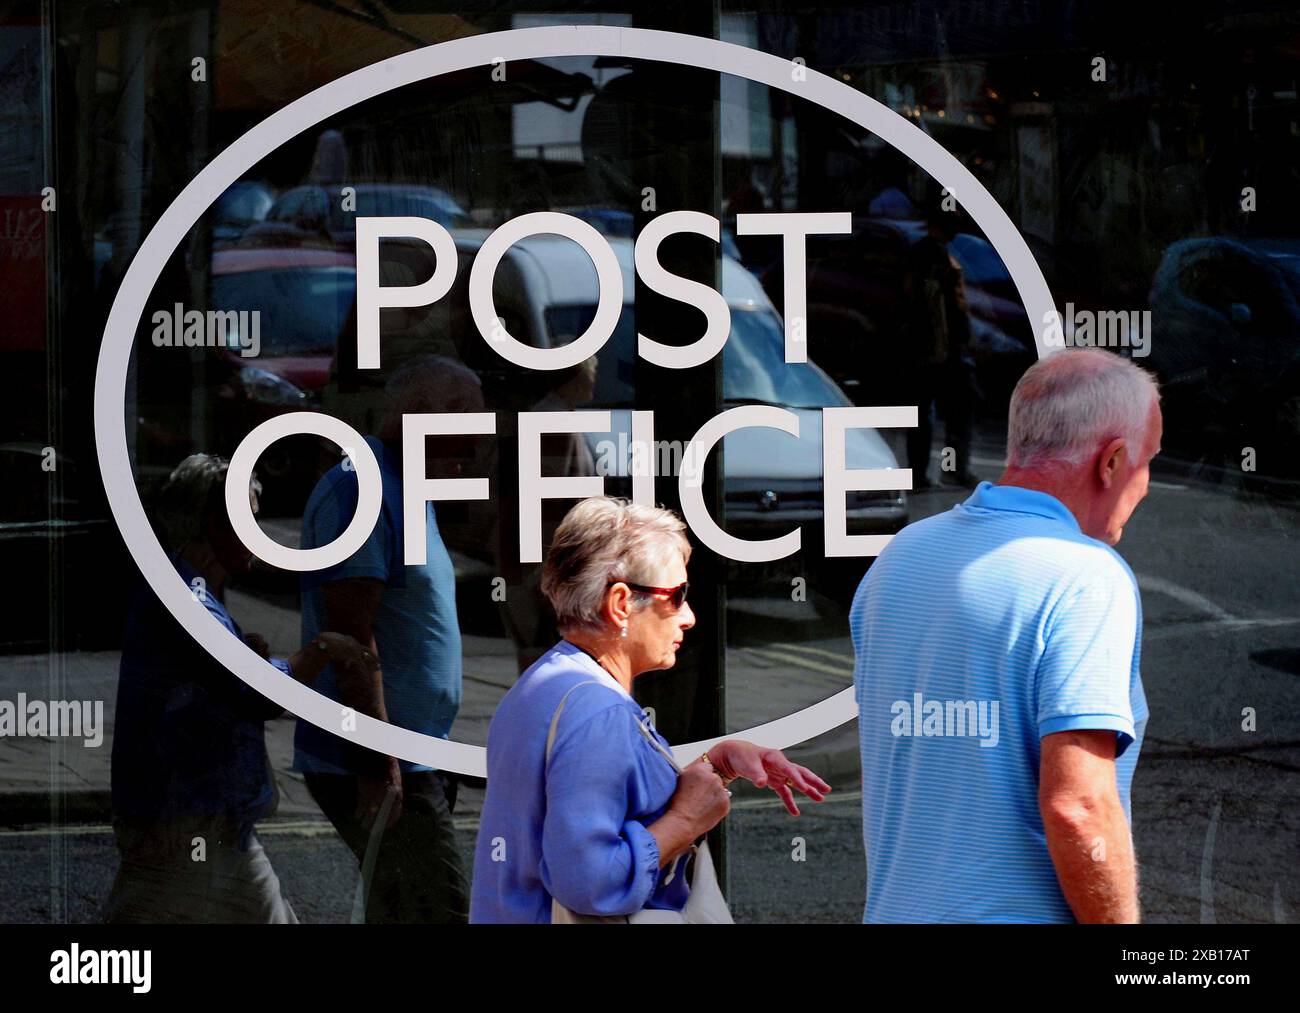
[(49, 779)]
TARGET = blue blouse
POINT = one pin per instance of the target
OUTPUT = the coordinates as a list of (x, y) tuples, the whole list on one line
[(576, 832)]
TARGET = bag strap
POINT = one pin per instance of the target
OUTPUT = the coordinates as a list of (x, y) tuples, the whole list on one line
[(361, 899), (555, 718), (676, 865), (654, 741), (642, 726)]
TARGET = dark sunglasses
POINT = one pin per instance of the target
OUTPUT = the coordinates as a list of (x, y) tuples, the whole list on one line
[(676, 595)]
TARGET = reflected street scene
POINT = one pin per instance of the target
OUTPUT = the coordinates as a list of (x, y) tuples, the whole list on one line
[(399, 261)]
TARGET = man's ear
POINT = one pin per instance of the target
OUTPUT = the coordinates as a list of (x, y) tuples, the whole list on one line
[(1110, 460)]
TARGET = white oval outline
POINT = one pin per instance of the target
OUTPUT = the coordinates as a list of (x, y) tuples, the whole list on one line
[(395, 72), (370, 491)]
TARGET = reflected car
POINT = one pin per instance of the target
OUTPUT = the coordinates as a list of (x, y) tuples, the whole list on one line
[(242, 205), (314, 215), (618, 222), (304, 298), (1225, 315), (772, 481)]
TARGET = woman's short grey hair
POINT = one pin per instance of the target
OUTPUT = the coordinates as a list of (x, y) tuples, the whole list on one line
[(1071, 403), (604, 539), (195, 489)]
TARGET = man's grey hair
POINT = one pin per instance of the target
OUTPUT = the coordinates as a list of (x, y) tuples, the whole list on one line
[(604, 539), (194, 490), (428, 383), (1071, 403)]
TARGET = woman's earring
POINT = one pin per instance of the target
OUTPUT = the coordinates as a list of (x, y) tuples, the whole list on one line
[(624, 633)]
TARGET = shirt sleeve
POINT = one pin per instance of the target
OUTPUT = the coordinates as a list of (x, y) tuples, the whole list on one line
[(224, 686), (325, 521), (1084, 678), (596, 859)]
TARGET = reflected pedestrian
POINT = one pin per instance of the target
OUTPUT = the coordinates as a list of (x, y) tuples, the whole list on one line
[(405, 615), (190, 772), (940, 372)]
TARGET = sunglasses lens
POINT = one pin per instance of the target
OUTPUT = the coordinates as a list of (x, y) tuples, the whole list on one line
[(679, 596)]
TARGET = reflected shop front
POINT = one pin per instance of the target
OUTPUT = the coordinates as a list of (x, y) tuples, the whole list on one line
[(777, 268)]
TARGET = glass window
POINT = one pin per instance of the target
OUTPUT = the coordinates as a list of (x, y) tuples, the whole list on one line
[(1155, 191)]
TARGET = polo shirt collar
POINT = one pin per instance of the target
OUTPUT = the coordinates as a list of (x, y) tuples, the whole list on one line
[(1017, 499)]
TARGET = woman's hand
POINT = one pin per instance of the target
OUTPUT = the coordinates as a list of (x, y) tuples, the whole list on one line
[(700, 798), (697, 806), (767, 768)]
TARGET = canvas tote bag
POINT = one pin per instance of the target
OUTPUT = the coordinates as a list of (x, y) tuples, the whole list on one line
[(705, 905)]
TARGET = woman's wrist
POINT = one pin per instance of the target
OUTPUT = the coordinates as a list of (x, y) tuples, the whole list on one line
[(716, 757), (674, 832), (306, 663)]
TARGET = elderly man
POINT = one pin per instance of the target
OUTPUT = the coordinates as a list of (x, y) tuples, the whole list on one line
[(1000, 704), (396, 811)]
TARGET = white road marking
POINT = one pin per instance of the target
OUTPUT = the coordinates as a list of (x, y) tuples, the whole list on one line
[(1175, 630), (1185, 595), (809, 648), (1218, 618), (808, 663), (1207, 865)]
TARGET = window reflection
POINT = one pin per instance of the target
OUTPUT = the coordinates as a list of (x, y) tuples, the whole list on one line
[(1131, 193)]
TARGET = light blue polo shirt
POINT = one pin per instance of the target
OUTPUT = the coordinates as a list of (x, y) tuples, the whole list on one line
[(416, 628), (976, 633)]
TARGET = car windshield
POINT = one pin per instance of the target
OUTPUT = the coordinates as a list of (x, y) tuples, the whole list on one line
[(243, 203), (399, 203), (302, 309), (754, 369)]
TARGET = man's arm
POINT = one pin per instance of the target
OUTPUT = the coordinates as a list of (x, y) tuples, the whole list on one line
[(350, 607), (1088, 835)]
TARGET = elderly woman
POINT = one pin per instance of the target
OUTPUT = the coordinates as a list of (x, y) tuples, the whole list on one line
[(190, 764), (598, 826)]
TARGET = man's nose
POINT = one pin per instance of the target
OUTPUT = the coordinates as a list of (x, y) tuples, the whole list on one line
[(686, 617)]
